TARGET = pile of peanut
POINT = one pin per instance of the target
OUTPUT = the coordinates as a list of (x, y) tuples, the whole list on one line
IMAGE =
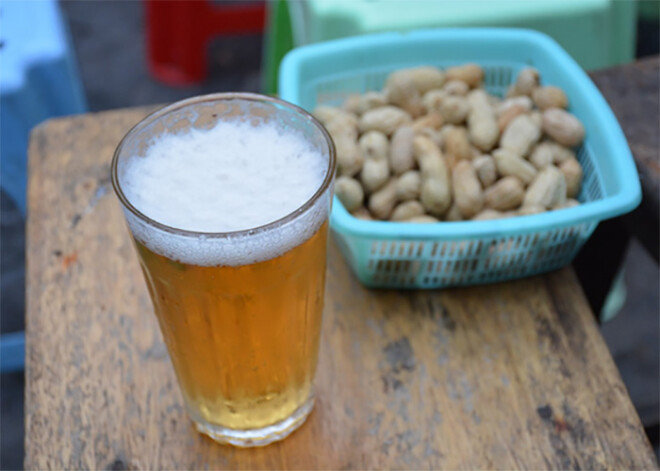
[(434, 145)]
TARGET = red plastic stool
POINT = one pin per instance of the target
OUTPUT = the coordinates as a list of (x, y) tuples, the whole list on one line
[(179, 31)]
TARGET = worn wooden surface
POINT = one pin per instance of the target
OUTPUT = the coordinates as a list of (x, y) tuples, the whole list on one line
[(512, 375)]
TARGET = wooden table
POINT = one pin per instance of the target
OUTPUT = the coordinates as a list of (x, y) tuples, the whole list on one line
[(513, 375)]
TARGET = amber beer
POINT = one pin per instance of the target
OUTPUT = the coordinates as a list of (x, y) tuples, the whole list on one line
[(243, 340), (229, 219)]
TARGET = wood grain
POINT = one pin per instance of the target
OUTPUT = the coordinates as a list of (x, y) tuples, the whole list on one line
[(512, 375)]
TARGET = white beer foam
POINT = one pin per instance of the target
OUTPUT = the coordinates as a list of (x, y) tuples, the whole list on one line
[(233, 177)]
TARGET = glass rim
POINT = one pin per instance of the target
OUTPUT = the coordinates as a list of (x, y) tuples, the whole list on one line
[(216, 97)]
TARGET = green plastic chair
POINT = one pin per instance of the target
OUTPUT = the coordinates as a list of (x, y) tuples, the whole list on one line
[(597, 33)]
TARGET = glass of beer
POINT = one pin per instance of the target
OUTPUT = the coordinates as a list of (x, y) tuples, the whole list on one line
[(227, 199)]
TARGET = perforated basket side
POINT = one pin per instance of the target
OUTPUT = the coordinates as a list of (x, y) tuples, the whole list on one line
[(434, 264)]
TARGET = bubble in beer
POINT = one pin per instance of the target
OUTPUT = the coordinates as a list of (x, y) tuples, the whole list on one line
[(235, 176)]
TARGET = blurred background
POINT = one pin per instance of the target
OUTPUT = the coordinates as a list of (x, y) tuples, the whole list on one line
[(101, 55)]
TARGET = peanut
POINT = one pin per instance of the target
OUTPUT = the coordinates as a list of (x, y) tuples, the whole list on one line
[(482, 124), (456, 87), (478, 98), (549, 97), (384, 119), (375, 150), (351, 103), (572, 171), (429, 158), (454, 109), (360, 104), (350, 193), (382, 201), (444, 130), (563, 127), (508, 115), (342, 127), (325, 114), (529, 210), (486, 171), (488, 214), (435, 191), (542, 155), (521, 134), (468, 195), (475, 152), (374, 145), (408, 185), (424, 218), (506, 194), (401, 150), (510, 164), (526, 82), (342, 124), (433, 99), (349, 156), (453, 214), (400, 90), (375, 173), (435, 195), (432, 134), (456, 143), (420, 147), (424, 78), (362, 213), (432, 120), (514, 102), (547, 190), (376, 169), (569, 203), (494, 101), (471, 74), (407, 210), (537, 118), (561, 153), (558, 153)]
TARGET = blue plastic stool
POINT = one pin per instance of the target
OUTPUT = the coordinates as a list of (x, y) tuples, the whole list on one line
[(12, 352), (38, 80)]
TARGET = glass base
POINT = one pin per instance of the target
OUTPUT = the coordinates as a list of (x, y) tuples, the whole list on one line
[(258, 436)]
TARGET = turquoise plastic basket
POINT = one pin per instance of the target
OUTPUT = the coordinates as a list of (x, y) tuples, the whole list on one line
[(407, 255)]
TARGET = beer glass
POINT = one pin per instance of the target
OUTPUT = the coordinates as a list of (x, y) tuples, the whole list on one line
[(240, 311)]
